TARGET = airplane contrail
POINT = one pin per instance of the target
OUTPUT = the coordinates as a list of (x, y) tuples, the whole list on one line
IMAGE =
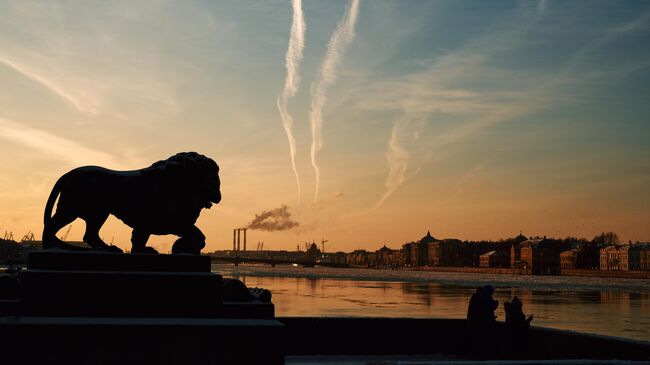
[(292, 81), (341, 38)]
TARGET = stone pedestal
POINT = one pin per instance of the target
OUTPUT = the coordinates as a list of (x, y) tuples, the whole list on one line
[(58, 260), (120, 294), (80, 307), (119, 285)]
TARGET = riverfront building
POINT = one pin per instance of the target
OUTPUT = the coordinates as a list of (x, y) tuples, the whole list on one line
[(569, 259), (432, 252), (387, 257), (420, 250), (358, 258), (625, 257), (443, 253), (339, 258), (469, 253), (406, 254), (495, 259), (515, 251), (644, 257), (415, 254), (429, 251), (541, 256), (582, 256)]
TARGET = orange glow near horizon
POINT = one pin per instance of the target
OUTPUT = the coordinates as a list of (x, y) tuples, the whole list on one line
[(532, 119)]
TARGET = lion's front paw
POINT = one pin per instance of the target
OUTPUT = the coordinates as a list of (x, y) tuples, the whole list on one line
[(145, 249)]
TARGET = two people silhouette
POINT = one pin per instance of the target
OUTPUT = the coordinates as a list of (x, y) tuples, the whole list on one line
[(483, 331), (482, 305)]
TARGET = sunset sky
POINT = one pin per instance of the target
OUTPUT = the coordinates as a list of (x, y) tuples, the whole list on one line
[(472, 119)]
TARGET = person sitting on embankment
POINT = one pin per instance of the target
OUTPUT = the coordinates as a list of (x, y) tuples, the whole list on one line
[(515, 317)]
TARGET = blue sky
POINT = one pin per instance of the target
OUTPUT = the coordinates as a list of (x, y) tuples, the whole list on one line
[(472, 119)]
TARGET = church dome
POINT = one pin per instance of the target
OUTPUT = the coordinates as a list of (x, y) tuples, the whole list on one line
[(521, 238), (428, 238)]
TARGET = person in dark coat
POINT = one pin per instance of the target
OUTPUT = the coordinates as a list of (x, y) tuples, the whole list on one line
[(481, 322), (474, 307), (489, 305), (515, 317), (516, 328), (482, 306)]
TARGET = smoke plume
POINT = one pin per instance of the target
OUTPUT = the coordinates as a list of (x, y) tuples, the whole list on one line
[(278, 219), (340, 40), (293, 58)]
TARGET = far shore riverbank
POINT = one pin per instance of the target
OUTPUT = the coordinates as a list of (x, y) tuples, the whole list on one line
[(447, 277), (637, 274), (461, 276)]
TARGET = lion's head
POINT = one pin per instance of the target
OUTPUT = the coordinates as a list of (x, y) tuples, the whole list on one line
[(194, 168)]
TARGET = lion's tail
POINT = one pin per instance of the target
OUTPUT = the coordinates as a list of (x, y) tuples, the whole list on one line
[(49, 237), (49, 206)]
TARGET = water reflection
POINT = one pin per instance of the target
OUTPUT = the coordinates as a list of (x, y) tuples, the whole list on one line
[(616, 313)]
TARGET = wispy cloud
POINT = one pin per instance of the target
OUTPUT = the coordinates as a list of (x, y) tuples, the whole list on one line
[(638, 23), (468, 176), (85, 105), (541, 9), (340, 40), (292, 81), (398, 159), (85, 59), (467, 86), (437, 91), (54, 146), (406, 153)]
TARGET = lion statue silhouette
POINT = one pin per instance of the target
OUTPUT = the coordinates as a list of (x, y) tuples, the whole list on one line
[(164, 198)]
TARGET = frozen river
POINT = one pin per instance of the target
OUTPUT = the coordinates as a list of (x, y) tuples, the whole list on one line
[(615, 307)]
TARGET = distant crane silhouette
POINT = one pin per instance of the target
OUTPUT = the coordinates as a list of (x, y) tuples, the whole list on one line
[(28, 237), (9, 236), (322, 243)]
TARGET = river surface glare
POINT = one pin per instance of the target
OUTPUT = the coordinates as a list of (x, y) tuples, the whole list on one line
[(614, 307)]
